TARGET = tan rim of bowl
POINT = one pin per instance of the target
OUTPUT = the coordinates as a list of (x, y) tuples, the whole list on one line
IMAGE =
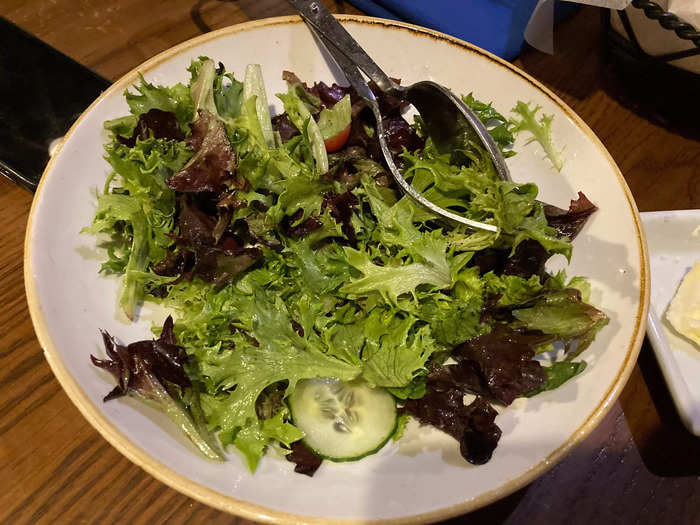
[(256, 512)]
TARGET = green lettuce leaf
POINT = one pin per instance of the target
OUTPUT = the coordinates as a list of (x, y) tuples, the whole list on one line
[(558, 281), (227, 92), (401, 423), (476, 192), (560, 313), (536, 227), (497, 125), (564, 314), (559, 373), (541, 130), (414, 390), (113, 209), (251, 123), (512, 289), (254, 86), (333, 121), (392, 281), (345, 340), (396, 348), (320, 271), (122, 126), (175, 99), (455, 318), (298, 112), (302, 192), (202, 88), (137, 212), (252, 439)]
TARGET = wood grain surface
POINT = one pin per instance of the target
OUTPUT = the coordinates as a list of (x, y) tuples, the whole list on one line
[(639, 466)]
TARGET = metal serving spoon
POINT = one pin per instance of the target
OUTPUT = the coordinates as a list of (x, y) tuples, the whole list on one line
[(448, 121)]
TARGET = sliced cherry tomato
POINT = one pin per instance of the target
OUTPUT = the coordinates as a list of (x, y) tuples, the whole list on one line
[(336, 142)]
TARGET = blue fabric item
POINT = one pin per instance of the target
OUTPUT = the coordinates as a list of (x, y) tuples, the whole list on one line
[(494, 25)]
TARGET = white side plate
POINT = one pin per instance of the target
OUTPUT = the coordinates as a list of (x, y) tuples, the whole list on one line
[(674, 246)]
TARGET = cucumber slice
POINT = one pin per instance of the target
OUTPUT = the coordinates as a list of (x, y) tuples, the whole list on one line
[(342, 421)]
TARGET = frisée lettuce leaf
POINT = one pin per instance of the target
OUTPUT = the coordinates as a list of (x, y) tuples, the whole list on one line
[(137, 211), (541, 130)]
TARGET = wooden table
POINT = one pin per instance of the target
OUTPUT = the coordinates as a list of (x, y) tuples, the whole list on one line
[(639, 466)]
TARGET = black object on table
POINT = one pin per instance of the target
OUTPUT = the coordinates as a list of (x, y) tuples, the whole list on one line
[(651, 85), (42, 92)]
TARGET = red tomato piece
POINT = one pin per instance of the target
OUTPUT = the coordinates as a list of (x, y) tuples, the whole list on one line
[(337, 142)]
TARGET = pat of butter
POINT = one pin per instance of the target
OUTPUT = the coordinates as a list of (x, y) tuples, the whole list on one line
[(684, 311)]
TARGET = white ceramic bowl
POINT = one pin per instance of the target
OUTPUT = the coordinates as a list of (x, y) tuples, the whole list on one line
[(423, 477)]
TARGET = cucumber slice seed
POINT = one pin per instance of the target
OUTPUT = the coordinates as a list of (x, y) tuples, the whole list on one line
[(342, 421)]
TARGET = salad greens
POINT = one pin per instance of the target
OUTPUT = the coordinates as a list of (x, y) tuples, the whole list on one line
[(541, 130), (282, 261)]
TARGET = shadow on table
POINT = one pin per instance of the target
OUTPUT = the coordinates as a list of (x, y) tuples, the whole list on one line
[(669, 449), (574, 68), (665, 97)]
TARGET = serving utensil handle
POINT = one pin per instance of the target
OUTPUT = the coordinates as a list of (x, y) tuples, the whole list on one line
[(349, 69), (315, 14)]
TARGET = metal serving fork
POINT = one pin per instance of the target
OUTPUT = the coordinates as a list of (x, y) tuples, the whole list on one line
[(449, 122)]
